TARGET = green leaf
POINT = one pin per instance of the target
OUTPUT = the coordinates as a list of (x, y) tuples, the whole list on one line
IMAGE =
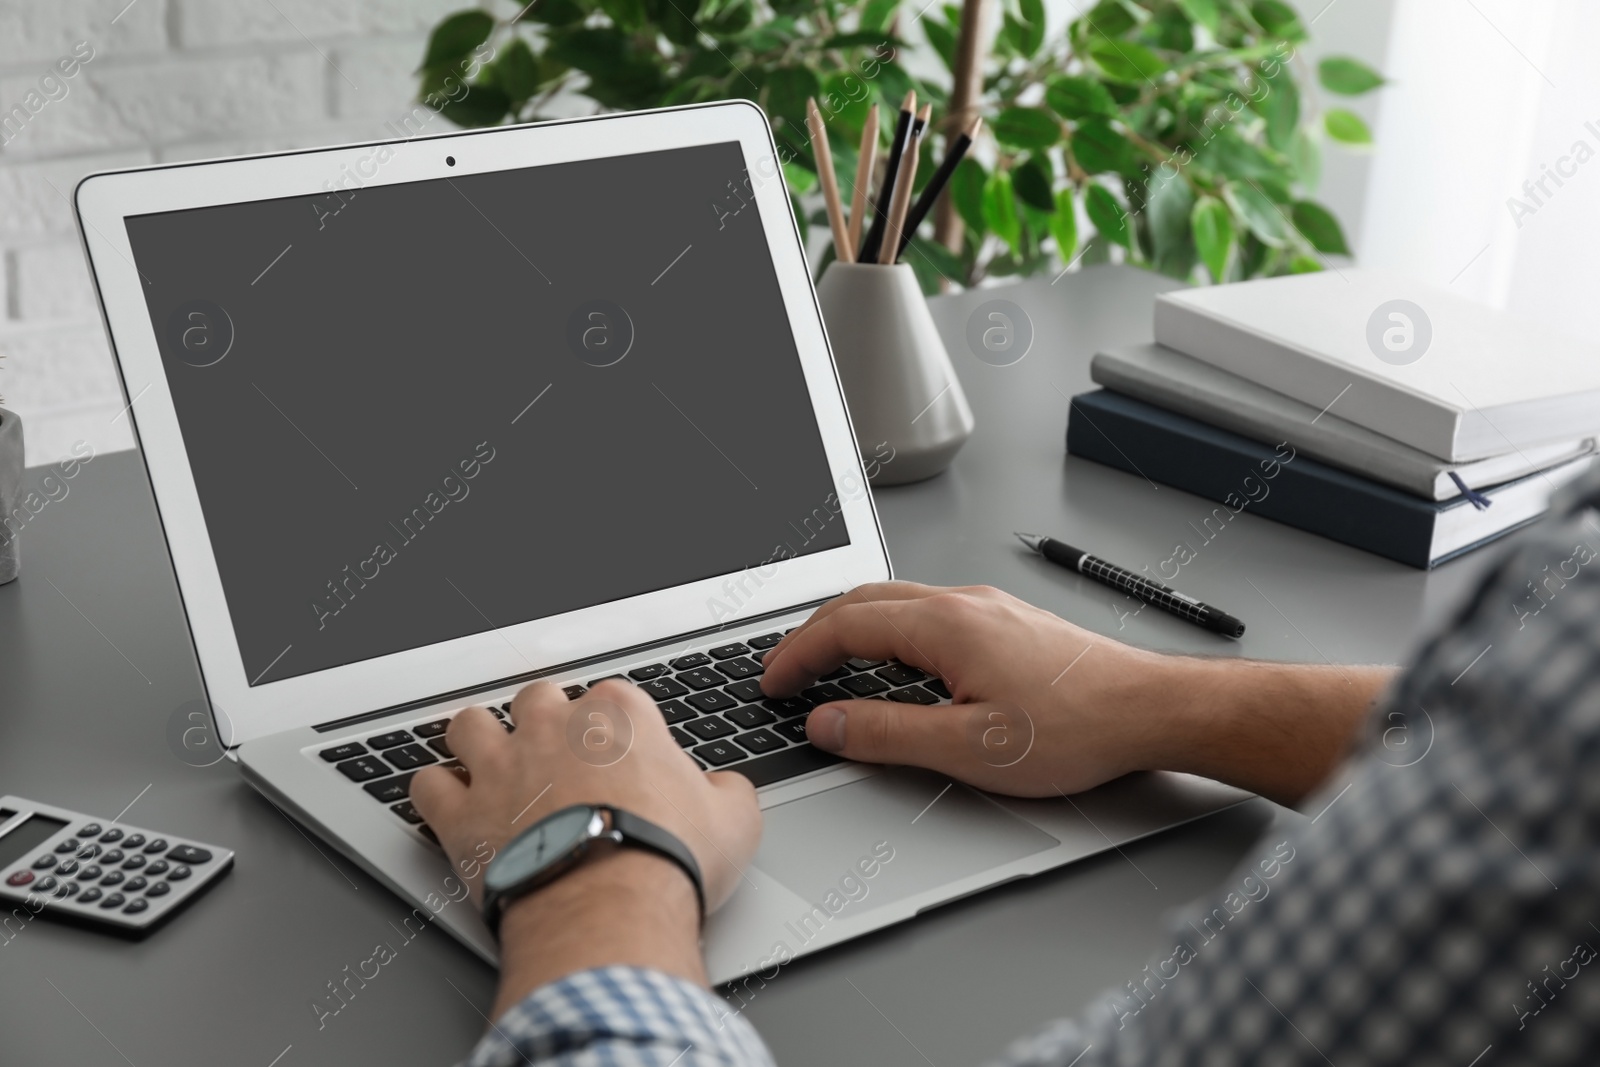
[(1260, 214), (787, 90), (877, 13), (966, 193), (936, 255), (1099, 149), (1026, 127), (943, 40), (517, 71), (1031, 181), (1346, 126), (1124, 61), (1278, 19), (456, 36), (484, 105), (1203, 13), (1317, 224), (1169, 29), (1167, 214), (1281, 109), (1110, 18), (1213, 234), (1033, 21), (1307, 159), (860, 38), (1000, 210), (675, 19), (1110, 220), (555, 12), (800, 180), (1304, 265), (1347, 76), (1074, 97), (626, 14), (1064, 225)]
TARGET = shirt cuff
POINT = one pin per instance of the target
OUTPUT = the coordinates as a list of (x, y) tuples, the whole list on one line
[(620, 1015)]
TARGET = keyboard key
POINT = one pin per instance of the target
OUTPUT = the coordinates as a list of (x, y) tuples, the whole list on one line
[(788, 707), (574, 691), (691, 661), (913, 694), (742, 667), (700, 678), (710, 728), (610, 678), (427, 831), (442, 746), (825, 693), (360, 769), (938, 687), (407, 812), (835, 674), (765, 641), (663, 688), (189, 854), (684, 740), (389, 740), (748, 690), (749, 715), (857, 663), (720, 753), (864, 685), (700, 763), (759, 742), (728, 651), (436, 728), (644, 674), (385, 792), (348, 750), (676, 711), (792, 761), (900, 674), (410, 757), (711, 700)]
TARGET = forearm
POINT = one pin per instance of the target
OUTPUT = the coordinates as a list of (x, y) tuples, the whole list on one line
[(1276, 729)]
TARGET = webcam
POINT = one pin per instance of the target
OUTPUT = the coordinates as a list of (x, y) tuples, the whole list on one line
[(449, 161)]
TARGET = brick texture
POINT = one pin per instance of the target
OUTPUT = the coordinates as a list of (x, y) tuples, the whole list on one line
[(169, 81)]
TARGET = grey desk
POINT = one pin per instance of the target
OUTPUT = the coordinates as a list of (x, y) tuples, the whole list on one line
[(94, 660)]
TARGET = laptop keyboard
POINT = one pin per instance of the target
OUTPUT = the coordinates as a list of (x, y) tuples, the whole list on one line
[(712, 702)]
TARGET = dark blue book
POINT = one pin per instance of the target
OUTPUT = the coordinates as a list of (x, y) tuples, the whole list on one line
[(1276, 483)]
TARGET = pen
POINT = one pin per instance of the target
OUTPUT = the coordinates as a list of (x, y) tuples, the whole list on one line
[(936, 184), (880, 214), (1168, 600)]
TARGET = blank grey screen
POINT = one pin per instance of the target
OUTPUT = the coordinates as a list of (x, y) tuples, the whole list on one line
[(417, 412)]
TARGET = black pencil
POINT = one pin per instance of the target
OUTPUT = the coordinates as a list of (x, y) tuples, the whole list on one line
[(936, 184), (880, 213)]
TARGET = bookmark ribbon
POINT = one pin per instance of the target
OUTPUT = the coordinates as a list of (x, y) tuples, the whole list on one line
[(1477, 499)]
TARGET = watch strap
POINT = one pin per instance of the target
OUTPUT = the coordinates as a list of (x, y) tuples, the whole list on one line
[(643, 833)]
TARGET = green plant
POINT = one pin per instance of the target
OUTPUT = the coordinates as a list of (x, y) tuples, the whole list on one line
[(1179, 130)]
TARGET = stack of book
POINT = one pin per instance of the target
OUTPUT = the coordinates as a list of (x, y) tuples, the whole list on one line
[(1356, 405)]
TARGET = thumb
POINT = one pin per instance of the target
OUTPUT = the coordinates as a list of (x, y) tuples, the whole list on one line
[(882, 731)]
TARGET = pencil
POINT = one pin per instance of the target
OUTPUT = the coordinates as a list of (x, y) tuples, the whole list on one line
[(936, 184), (904, 182), (830, 183), (880, 214), (868, 160)]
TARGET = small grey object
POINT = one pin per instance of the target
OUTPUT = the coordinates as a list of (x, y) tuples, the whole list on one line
[(10, 491)]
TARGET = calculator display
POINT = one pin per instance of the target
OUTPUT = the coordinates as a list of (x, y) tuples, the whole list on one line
[(25, 838)]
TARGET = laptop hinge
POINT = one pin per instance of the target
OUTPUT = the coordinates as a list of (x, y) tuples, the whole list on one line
[(560, 668)]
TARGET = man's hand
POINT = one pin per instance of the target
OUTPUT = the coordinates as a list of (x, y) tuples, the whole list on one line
[(1045, 707), (610, 747)]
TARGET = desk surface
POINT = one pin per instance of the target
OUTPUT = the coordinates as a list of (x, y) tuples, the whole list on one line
[(94, 665)]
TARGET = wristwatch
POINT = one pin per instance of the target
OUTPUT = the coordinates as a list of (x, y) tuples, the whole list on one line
[(564, 839)]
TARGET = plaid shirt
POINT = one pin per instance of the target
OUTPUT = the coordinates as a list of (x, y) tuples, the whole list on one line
[(1443, 907)]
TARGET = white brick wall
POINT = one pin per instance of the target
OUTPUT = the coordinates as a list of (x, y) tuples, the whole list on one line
[(170, 80)]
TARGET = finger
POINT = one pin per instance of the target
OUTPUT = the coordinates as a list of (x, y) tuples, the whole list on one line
[(895, 629), (476, 737), (532, 699), (875, 592), (437, 795), (882, 731)]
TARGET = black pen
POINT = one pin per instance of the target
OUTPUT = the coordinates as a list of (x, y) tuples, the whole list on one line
[(1169, 600)]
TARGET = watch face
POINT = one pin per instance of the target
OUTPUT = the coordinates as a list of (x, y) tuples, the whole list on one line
[(552, 839)]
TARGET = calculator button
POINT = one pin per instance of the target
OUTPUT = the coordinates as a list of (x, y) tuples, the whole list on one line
[(158, 845), (89, 829), (407, 811), (134, 841), (44, 861), (133, 863), (20, 878), (345, 751), (66, 866), (160, 889), (89, 851), (188, 854), (136, 906), (179, 873), (67, 846), (112, 858), (67, 889), (158, 867), (135, 884), (113, 878), (431, 729), (90, 873), (360, 769), (90, 895), (115, 900), (45, 884), (111, 835)]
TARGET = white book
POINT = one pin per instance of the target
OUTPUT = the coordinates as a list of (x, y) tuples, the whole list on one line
[(1450, 377), (1169, 379)]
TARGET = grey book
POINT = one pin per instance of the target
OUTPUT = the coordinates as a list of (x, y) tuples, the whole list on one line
[(1171, 380)]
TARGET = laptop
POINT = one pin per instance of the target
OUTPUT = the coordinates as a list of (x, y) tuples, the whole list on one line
[(426, 420)]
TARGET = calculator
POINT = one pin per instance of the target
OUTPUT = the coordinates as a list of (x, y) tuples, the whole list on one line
[(109, 874)]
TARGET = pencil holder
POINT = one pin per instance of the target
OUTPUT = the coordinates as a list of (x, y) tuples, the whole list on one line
[(898, 379)]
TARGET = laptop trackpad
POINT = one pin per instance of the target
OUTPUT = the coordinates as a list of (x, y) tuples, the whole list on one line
[(938, 832)]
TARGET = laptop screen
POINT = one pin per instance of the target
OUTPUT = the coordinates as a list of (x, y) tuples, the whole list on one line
[(422, 411)]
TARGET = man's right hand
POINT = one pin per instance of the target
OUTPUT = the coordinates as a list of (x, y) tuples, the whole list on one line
[(1043, 707)]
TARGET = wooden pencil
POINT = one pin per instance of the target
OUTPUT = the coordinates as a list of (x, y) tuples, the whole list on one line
[(830, 183), (901, 201), (868, 160)]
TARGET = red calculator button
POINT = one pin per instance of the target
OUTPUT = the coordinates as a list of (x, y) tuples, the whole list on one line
[(20, 878)]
